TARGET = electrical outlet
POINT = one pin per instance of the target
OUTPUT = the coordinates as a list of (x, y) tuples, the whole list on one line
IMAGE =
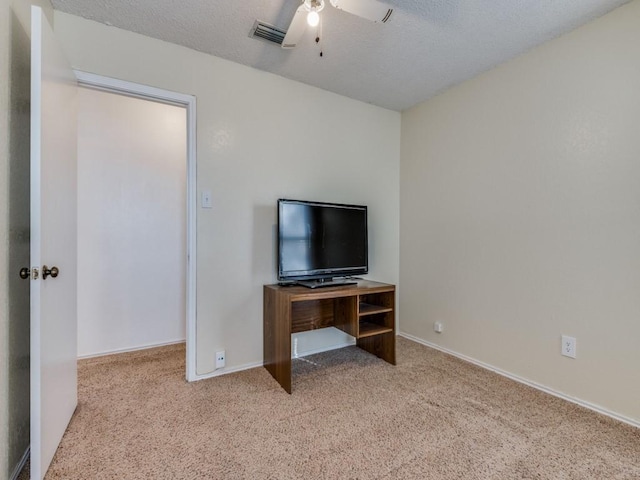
[(220, 356), (437, 327), (568, 346)]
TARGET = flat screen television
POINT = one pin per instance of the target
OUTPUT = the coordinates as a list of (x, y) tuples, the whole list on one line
[(320, 241)]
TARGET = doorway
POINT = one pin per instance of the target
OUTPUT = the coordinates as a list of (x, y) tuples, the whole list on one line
[(131, 223), (136, 218)]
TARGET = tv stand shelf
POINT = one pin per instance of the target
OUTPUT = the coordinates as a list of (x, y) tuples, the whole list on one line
[(365, 311), (368, 329), (368, 309)]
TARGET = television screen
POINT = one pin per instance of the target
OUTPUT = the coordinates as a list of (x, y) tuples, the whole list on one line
[(321, 240)]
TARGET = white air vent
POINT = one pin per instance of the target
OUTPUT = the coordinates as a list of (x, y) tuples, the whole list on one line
[(267, 32)]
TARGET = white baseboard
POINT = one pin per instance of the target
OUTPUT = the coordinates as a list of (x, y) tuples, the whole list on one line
[(537, 386), (225, 371), (21, 463), (132, 349), (247, 366)]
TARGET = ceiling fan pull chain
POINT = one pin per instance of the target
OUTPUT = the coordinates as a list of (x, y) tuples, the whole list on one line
[(319, 36)]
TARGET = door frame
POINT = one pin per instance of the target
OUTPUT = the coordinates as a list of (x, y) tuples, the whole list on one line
[(122, 87)]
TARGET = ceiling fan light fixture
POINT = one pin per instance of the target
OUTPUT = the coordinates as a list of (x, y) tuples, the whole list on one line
[(314, 7), (313, 18)]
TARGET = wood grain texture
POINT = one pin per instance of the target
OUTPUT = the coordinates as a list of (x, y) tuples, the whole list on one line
[(311, 315), (345, 313), (277, 336), (288, 310), (376, 326), (298, 294)]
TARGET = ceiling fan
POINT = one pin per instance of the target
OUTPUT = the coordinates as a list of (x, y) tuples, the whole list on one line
[(307, 14)]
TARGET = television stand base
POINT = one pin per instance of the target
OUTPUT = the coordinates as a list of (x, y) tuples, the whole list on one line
[(329, 282), (365, 311)]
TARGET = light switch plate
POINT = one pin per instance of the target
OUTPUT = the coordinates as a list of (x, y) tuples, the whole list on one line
[(207, 201)]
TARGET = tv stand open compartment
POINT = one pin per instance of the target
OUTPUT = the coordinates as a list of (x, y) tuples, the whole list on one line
[(365, 311)]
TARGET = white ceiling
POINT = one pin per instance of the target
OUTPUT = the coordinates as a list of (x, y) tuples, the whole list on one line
[(426, 47)]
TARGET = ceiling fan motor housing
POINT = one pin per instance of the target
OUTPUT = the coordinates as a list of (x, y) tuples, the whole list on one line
[(314, 5)]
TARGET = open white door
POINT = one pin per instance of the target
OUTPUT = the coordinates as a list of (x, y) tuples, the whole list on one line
[(53, 244)]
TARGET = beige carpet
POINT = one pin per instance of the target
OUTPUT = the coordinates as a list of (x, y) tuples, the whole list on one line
[(351, 416)]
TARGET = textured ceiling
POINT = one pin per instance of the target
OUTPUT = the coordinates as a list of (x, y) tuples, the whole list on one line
[(426, 47)]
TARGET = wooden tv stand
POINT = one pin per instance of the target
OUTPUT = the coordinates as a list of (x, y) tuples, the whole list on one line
[(365, 311)]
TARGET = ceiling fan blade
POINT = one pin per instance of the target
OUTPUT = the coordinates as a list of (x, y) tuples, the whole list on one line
[(296, 29), (370, 9)]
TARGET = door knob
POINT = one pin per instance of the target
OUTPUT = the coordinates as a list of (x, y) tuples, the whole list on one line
[(46, 271), (25, 273)]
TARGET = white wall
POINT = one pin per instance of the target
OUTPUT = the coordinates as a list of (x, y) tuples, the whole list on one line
[(132, 157), (520, 215), (259, 137)]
